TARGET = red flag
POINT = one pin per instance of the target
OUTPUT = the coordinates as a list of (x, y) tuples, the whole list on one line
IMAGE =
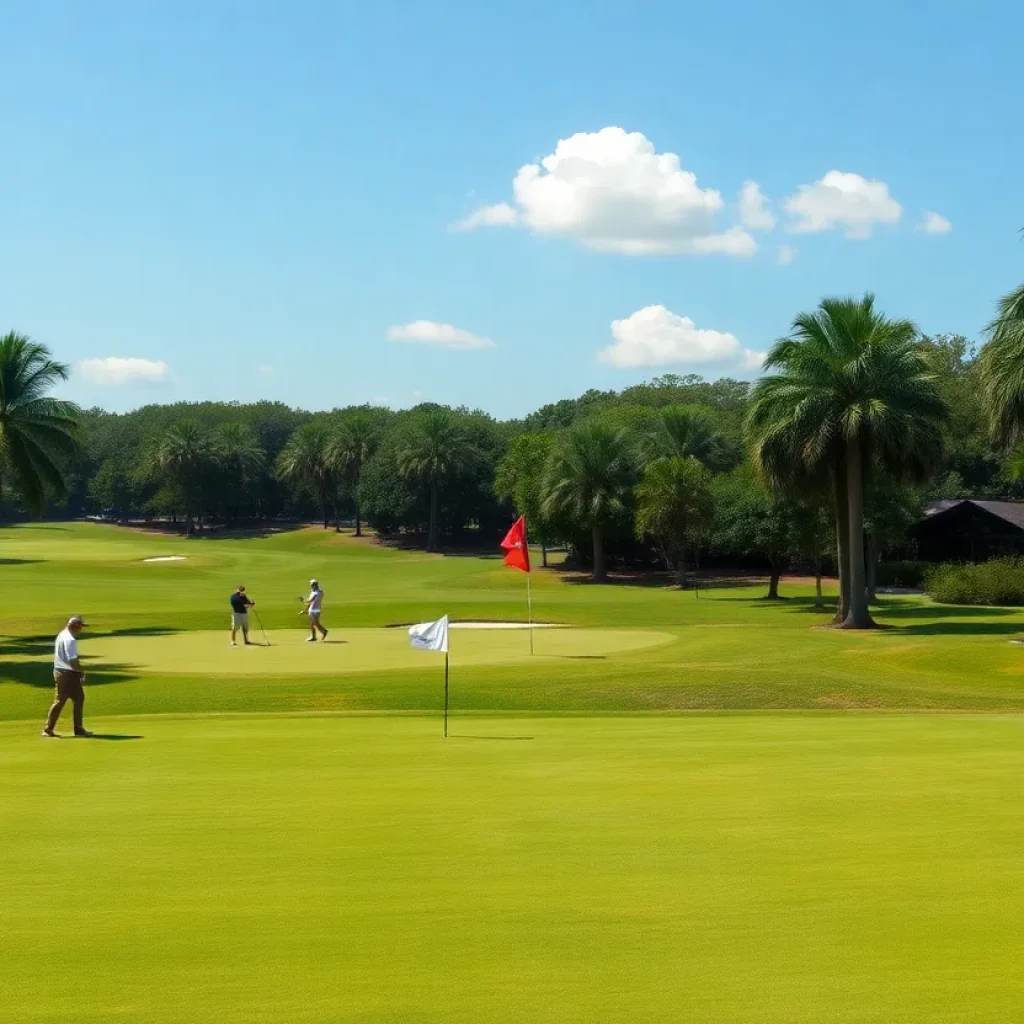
[(518, 554)]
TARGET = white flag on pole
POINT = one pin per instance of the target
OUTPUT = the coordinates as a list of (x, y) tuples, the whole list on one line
[(430, 636)]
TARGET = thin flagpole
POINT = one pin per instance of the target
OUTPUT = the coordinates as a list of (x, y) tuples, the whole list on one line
[(446, 695), (529, 608)]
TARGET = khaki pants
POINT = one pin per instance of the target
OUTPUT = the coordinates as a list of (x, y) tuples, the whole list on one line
[(67, 686)]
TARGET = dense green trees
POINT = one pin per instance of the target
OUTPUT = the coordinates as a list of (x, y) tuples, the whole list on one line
[(38, 434), (826, 460)]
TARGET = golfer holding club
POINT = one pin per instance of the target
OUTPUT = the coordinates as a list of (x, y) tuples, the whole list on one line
[(67, 678), (312, 608), (240, 605)]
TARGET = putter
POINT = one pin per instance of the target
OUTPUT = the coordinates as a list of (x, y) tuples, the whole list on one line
[(262, 630)]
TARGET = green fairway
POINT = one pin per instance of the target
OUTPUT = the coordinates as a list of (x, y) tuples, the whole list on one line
[(235, 847), (776, 869), (158, 635)]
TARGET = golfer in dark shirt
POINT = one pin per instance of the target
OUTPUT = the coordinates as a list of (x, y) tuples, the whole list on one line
[(240, 605)]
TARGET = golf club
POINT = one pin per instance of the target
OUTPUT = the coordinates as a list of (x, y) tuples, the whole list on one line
[(266, 641)]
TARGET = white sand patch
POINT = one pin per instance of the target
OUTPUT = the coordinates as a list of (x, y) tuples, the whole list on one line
[(166, 558), (504, 625)]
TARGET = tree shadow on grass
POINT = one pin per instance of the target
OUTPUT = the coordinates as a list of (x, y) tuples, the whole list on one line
[(40, 644), (952, 620), (20, 561), (40, 676)]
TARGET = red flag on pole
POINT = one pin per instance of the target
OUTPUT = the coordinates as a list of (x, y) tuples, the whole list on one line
[(517, 553)]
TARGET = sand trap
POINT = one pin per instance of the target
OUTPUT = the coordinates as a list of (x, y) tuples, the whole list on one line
[(166, 558), (504, 625)]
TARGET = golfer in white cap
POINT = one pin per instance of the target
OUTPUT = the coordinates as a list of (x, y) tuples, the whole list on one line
[(313, 605), (67, 678)]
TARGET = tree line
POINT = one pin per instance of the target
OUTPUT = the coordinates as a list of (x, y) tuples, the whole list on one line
[(826, 460)]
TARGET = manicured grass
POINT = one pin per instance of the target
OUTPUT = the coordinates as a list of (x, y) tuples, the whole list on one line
[(717, 869), (280, 863), (728, 649)]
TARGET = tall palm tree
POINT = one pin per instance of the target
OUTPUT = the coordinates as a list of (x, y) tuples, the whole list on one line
[(184, 454), (303, 463), (852, 387), (681, 431), (434, 452), (1002, 369), (587, 481), (349, 449), (241, 457), (38, 434)]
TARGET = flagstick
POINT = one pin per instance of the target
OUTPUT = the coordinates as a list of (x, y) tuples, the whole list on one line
[(446, 695), (529, 609)]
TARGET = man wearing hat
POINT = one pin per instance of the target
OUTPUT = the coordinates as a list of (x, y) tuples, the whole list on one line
[(68, 677), (313, 605)]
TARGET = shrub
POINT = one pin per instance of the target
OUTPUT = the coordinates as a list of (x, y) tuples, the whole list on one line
[(998, 582)]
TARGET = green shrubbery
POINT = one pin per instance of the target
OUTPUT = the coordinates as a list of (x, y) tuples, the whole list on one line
[(998, 582)]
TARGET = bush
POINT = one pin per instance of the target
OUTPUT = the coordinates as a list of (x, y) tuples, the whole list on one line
[(902, 574), (998, 582)]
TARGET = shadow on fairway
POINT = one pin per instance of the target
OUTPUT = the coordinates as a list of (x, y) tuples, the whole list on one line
[(503, 739), (116, 736), (40, 677), (20, 561), (951, 620), (581, 657)]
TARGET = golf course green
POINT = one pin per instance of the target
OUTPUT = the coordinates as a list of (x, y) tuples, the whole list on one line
[(680, 808)]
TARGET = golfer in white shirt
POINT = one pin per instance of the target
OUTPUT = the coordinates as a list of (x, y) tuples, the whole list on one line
[(313, 604), (67, 678)]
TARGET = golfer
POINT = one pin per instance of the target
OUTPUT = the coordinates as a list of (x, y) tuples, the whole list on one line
[(314, 603), (67, 677), (240, 605)]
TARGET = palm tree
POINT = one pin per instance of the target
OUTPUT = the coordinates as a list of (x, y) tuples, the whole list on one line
[(435, 452), (587, 481), (673, 504), (1002, 369), (241, 458), (303, 463), (184, 454), (38, 434), (682, 431), (348, 450), (853, 386)]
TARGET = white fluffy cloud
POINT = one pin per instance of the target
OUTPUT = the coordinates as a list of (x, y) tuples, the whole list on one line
[(655, 336), (427, 332), (932, 223), (116, 370), (755, 211), (497, 216), (611, 191), (784, 255), (848, 202)]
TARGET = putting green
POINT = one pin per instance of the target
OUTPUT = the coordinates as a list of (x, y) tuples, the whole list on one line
[(208, 652)]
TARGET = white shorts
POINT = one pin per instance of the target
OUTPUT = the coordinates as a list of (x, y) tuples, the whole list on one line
[(239, 620), (314, 616)]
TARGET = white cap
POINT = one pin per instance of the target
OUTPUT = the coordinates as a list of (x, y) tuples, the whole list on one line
[(76, 620), (312, 583)]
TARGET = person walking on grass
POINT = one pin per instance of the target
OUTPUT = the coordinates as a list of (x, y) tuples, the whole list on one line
[(240, 605), (313, 605), (68, 678)]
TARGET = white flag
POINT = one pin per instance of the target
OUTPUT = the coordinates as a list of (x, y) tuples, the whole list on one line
[(430, 636)]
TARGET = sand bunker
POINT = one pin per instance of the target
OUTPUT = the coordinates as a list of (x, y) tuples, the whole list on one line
[(504, 625)]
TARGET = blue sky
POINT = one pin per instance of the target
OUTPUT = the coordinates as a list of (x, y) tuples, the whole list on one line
[(255, 194)]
